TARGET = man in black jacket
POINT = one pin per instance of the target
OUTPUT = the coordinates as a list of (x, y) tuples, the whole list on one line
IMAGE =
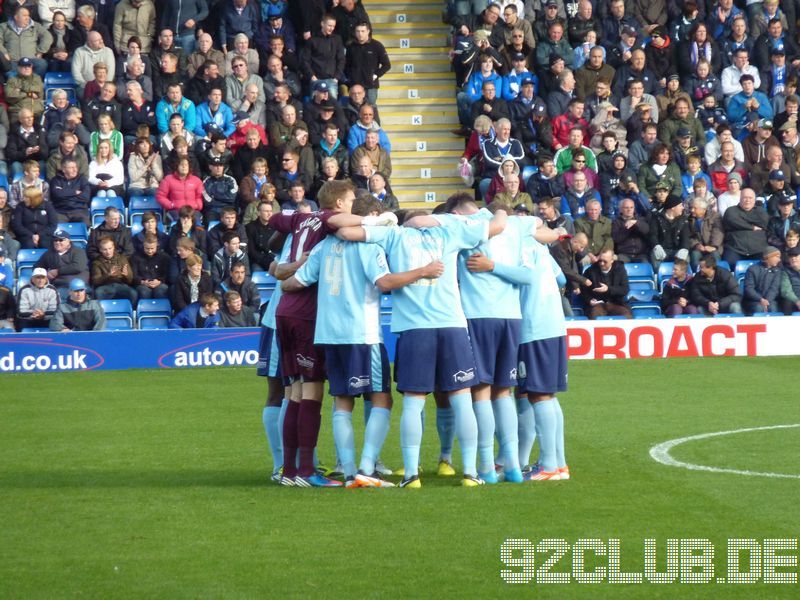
[(64, 262), (259, 234), (26, 141), (150, 270), (322, 58), (238, 281), (714, 290), (607, 292), (366, 62)]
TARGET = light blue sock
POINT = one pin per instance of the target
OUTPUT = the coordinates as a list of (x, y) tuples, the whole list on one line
[(484, 417), (374, 436), (526, 430), (505, 416), (546, 423), (367, 411), (466, 430), (411, 433), (561, 460), (446, 430), (270, 416), (345, 444), (337, 458)]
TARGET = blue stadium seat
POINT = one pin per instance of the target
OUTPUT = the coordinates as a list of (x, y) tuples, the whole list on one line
[(741, 268), (119, 314), (611, 318), (26, 258), (641, 272), (153, 313), (211, 224), (56, 79), (22, 281), (264, 281), (577, 318), (644, 312), (78, 233), (265, 296), (99, 205), (664, 273), (697, 316), (724, 264), (641, 285), (35, 329), (139, 205)]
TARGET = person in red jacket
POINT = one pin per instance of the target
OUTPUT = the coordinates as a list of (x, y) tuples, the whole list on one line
[(243, 125), (180, 188)]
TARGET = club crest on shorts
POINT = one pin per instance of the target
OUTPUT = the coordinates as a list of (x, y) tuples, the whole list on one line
[(359, 382), (464, 376), (304, 361), (512, 374)]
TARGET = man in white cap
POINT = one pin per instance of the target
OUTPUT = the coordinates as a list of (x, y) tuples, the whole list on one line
[(36, 301)]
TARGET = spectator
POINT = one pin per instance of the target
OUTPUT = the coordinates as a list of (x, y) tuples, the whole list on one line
[(388, 201), (277, 74), (259, 234), (554, 219), (150, 267), (70, 193), (660, 169), (241, 49), (366, 122), (254, 108), (239, 282), (144, 169), (323, 57), (104, 103), (192, 282), (64, 262), (188, 228), (781, 224), (173, 103), (180, 188), (745, 230), (26, 142), (246, 156), (25, 90), (596, 227), (705, 232), (297, 197), (275, 27), (106, 173), (790, 283), (577, 196), (630, 234), (762, 283), (150, 226), (134, 18), (605, 288), (669, 233), (244, 125), (290, 171), (747, 105), (235, 313), (587, 76), (79, 312), (238, 16), (378, 156), (205, 52), (166, 45), (183, 18), (558, 100), (229, 254), (34, 220), (112, 227), (675, 293), (84, 58), (366, 60), (56, 111), (22, 38), (112, 274), (553, 44), (134, 72), (86, 21), (58, 57), (36, 302), (714, 290), (215, 111), (731, 75), (681, 118), (202, 314), (732, 196), (219, 190), (565, 123)]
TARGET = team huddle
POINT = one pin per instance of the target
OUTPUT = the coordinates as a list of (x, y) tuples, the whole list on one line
[(477, 310)]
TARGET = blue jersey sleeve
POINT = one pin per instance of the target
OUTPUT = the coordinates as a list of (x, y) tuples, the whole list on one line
[(373, 261)]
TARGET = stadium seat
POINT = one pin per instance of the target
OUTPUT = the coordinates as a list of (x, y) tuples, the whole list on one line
[(141, 204), (57, 79), (724, 264), (99, 205), (646, 313), (697, 316), (78, 233), (577, 318), (26, 258), (741, 268), (153, 313), (119, 314), (264, 281), (729, 316), (265, 296), (22, 281), (211, 224), (72, 96), (643, 303), (639, 294), (611, 318), (641, 285), (35, 329), (664, 273), (641, 272)]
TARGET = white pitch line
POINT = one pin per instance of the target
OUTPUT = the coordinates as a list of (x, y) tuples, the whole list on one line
[(661, 453)]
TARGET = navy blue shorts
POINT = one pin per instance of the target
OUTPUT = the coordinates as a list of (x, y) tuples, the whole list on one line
[(269, 355), (543, 366), (434, 359), (355, 369), (495, 345)]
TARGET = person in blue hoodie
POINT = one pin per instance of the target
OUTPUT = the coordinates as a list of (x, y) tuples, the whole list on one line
[(473, 88)]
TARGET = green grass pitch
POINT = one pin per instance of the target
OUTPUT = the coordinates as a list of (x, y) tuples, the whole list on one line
[(153, 484)]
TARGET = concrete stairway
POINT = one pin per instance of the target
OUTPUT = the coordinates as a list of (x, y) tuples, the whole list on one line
[(417, 102)]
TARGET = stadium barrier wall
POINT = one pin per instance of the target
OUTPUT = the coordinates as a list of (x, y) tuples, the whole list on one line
[(188, 348)]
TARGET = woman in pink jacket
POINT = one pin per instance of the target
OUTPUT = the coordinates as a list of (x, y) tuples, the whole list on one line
[(179, 189)]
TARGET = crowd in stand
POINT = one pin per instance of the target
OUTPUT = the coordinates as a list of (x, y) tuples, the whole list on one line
[(222, 111), (654, 130)]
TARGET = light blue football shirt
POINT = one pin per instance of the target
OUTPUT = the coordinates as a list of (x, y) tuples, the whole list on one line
[(268, 320), (348, 303), (542, 311), (428, 303), (488, 295)]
